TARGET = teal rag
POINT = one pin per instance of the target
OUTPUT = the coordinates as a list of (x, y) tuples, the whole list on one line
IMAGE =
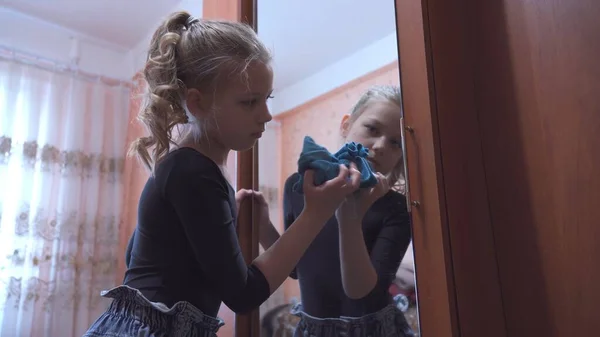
[(327, 165)]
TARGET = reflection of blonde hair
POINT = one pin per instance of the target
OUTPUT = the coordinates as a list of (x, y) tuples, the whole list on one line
[(186, 52), (386, 93)]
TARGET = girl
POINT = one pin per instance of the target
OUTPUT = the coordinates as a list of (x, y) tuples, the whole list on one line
[(345, 274), (213, 79)]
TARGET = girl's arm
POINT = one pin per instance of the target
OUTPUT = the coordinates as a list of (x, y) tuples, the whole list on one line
[(366, 275), (268, 233), (278, 262), (203, 203), (201, 199), (358, 274)]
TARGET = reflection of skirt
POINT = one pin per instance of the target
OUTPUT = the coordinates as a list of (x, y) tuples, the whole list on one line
[(132, 315), (387, 322)]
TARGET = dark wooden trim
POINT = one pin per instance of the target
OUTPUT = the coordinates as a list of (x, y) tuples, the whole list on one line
[(248, 325), (248, 12), (435, 281)]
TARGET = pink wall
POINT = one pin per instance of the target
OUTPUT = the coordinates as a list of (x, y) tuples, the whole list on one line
[(320, 118)]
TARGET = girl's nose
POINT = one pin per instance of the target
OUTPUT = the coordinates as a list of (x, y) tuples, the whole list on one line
[(265, 116), (379, 144)]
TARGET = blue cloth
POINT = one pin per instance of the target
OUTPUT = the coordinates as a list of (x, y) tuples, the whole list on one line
[(327, 165)]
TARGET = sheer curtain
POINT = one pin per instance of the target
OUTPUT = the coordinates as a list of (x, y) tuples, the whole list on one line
[(62, 145)]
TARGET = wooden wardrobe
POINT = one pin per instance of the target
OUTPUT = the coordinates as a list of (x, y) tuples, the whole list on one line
[(502, 126)]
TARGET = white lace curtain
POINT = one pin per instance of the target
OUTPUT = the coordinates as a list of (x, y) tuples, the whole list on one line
[(62, 146)]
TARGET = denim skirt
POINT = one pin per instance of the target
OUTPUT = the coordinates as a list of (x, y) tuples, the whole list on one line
[(131, 314), (387, 322)]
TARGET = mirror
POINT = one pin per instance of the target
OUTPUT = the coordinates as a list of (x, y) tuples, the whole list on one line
[(326, 56)]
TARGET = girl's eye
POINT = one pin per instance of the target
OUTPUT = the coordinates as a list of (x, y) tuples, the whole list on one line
[(253, 102), (371, 128)]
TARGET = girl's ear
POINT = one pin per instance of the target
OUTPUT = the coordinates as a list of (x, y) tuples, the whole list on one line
[(198, 104), (345, 125)]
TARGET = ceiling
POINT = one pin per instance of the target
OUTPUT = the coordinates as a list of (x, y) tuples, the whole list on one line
[(119, 22), (305, 36), (309, 35)]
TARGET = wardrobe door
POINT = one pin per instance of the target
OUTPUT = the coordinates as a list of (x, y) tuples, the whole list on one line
[(516, 86), (537, 80)]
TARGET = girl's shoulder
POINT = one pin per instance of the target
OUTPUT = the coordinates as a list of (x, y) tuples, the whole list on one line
[(185, 164), (392, 201), (396, 197), (186, 159)]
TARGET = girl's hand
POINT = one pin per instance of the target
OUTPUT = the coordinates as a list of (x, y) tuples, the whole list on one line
[(356, 205), (322, 201), (259, 198), (264, 217), (241, 195)]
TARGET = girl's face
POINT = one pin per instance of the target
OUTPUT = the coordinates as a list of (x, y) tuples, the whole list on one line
[(241, 108), (378, 129)]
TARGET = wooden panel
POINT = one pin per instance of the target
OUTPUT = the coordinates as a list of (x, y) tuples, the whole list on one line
[(520, 79), (537, 84), (431, 242), (222, 9), (248, 325), (474, 260)]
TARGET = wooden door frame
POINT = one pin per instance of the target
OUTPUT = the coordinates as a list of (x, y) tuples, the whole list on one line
[(433, 268), (248, 325)]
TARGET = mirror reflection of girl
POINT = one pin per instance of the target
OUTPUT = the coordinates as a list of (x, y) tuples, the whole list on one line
[(345, 274), (212, 79)]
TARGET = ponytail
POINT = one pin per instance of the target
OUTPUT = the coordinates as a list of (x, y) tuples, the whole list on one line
[(162, 107)]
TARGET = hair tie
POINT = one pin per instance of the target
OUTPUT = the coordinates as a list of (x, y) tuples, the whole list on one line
[(190, 21)]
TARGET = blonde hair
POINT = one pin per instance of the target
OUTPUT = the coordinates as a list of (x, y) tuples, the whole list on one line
[(186, 52), (387, 93)]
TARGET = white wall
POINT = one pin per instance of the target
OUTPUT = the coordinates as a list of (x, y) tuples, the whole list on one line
[(34, 36), (137, 54), (374, 56)]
